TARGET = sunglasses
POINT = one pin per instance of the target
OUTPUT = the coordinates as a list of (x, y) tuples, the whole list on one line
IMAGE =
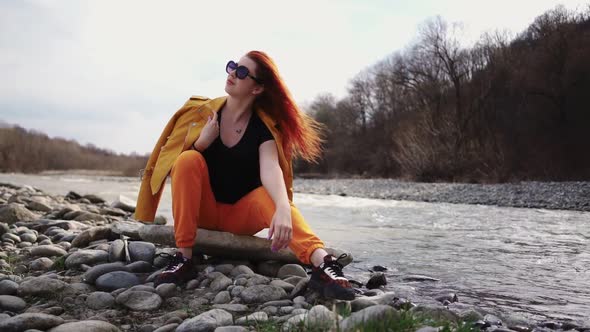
[(241, 71)]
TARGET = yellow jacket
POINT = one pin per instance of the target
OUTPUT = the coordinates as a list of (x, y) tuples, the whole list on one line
[(182, 130)]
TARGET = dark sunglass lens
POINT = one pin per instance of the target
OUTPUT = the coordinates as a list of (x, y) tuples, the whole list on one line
[(230, 66), (242, 72)]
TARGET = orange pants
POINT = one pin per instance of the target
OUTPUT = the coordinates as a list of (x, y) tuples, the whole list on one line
[(194, 205)]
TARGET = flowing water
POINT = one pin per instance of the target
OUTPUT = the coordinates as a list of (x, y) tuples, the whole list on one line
[(532, 262)]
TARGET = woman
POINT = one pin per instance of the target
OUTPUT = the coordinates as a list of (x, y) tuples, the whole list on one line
[(236, 175)]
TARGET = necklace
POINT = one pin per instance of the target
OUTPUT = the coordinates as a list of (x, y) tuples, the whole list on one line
[(239, 130)]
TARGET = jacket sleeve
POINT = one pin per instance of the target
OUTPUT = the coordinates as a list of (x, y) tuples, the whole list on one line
[(147, 202)]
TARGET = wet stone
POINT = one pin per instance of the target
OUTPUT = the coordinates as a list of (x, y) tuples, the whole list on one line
[(115, 280), (117, 251), (142, 251), (96, 271), (48, 251), (12, 303), (8, 287), (41, 264), (288, 270), (100, 300)]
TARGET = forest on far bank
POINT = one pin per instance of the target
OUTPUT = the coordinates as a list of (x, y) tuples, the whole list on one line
[(29, 151), (504, 109)]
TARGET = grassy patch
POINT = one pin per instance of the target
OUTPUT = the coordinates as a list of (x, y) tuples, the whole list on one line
[(59, 264), (406, 321)]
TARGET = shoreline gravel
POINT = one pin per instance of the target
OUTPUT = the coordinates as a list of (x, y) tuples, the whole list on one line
[(545, 195)]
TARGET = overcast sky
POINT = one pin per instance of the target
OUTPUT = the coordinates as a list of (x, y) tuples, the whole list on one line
[(111, 73)]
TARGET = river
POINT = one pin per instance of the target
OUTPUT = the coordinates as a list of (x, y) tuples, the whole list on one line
[(530, 262)]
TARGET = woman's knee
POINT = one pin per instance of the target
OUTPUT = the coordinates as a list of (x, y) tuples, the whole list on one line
[(189, 160)]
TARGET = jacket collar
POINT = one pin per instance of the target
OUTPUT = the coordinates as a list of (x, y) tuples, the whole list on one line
[(214, 105)]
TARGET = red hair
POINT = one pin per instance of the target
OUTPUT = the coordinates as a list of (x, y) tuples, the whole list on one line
[(300, 132)]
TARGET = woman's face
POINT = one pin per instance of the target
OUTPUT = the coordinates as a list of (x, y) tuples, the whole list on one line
[(243, 87)]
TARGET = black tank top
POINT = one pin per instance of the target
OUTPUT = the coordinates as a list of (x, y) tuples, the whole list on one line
[(235, 171)]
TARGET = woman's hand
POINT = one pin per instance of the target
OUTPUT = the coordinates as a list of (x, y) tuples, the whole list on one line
[(281, 228), (208, 134)]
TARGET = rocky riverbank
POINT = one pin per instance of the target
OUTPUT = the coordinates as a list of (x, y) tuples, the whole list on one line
[(546, 195), (66, 265)]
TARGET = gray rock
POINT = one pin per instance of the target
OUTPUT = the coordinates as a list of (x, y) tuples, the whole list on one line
[(232, 307), (12, 303), (220, 283), (286, 310), (269, 268), (362, 303), (112, 212), (12, 213), (293, 322), (28, 237), (377, 280), (94, 199), (166, 290), (284, 285), (224, 268), (293, 280), (241, 269), (320, 317), (86, 326), (114, 280), (29, 321), (258, 279), (466, 312), (92, 234), (271, 310), (41, 264), (262, 293), (167, 328), (206, 321), (300, 288), (236, 291), (96, 271), (142, 251), (374, 313), (160, 220), (24, 244), (11, 237), (492, 320), (100, 300), (231, 329), (42, 286), (435, 311), (48, 251), (288, 270), (87, 216), (88, 257), (428, 329), (124, 203), (8, 287), (3, 228), (257, 317), (145, 288), (299, 311), (278, 303), (139, 300), (140, 267), (117, 251), (222, 298), (38, 206)]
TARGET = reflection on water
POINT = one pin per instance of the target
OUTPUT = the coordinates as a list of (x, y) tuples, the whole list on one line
[(530, 261)]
